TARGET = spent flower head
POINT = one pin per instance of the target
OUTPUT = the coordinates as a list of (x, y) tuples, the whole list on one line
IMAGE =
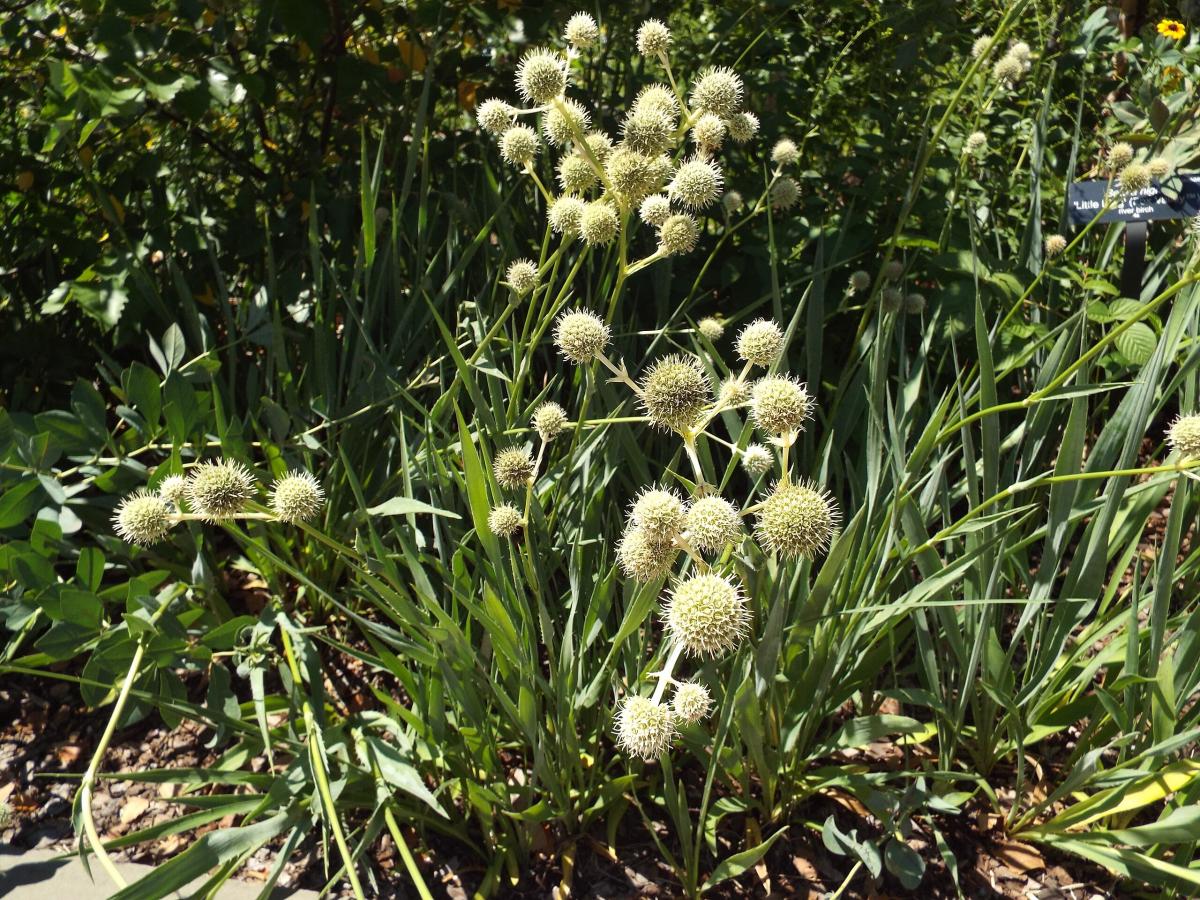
[(644, 727), (675, 391), (893, 270), (760, 343), (581, 335), (797, 520), (860, 280), (713, 523), (891, 299), (706, 614), (522, 276), (914, 303), (780, 404), (513, 467), (785, 192), (143, 518), (297, 497), (690, 702), (219, 490), (549, 420), (505, 520), (541, 76)]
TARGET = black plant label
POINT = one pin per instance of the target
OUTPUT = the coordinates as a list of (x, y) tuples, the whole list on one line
[(1177, 197)]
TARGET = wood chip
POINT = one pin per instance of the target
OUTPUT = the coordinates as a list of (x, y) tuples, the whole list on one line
[(132, 808), (1021, 857)]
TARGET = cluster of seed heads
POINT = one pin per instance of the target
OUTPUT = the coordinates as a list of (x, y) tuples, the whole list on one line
[(1131, 175), (1011, 66), (662, 169), (212, 492)]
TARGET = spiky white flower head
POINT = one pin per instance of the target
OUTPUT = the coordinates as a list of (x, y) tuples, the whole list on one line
[(495, 116), (975, 143), (760, 343), (780, 404), (1119, 155), (565, 214), (697, 183), (893, 270), (297, 497), (1055, 244), (1133, 178), (711, 328), (642, 558), (708, 132), (1159, 167), (655, 209), (660, 513), (218, 490), (505, 520), (742, 127), (658, 97), (981, 46), (785, 192), (576, 175), (797, 520), (1184, 436), (713, 523), (757, 459), (519, 145), (599, 145), (678, 234), (647, 129), (785, 153), (1020, 50), (675, 391), (582, 31), (599, 224), (561, 123), (653, 38), (142, 518), (173, 489), (644, 728), (914, 303), (549, 420), (734, 392), (891, 299), (691, 702), (860, 280), (717, 90), (513, 467), (522, 276), (664, 168), (580, 335), (631, 174), (706, 614), (541, 76), (732, 201), (1008, 69)]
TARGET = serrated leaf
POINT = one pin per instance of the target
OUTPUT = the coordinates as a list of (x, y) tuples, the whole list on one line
[(1137, 343)]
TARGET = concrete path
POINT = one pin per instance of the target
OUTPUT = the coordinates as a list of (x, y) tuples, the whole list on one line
[(46, 875)]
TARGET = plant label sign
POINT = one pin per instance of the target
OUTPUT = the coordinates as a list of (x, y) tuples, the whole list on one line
[(1177, 197)]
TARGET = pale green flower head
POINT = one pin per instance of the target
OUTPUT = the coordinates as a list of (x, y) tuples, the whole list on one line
[(519, 145), (582, 31), (717, 90), (560, 125), (599, 224), (706, 614), (675, 391), (219, 490), (797, 520), (1184, 436), (581, 335), (713, 523), (678, 234), (697, 184), (522, 276), (653, 38), (513, 467), (541, 76), (644, 727), (691, 702), (297, 497), (505, 520), (642, 558), (143, 518), (495, 116), (780, 405)]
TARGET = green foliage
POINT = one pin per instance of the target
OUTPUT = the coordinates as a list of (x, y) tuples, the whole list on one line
[(286, 240)]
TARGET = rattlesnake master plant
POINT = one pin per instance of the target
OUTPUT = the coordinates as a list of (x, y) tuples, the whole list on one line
[(662, 172)]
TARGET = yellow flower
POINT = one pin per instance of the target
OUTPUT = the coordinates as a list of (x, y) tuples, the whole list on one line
[(1169, 28)]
